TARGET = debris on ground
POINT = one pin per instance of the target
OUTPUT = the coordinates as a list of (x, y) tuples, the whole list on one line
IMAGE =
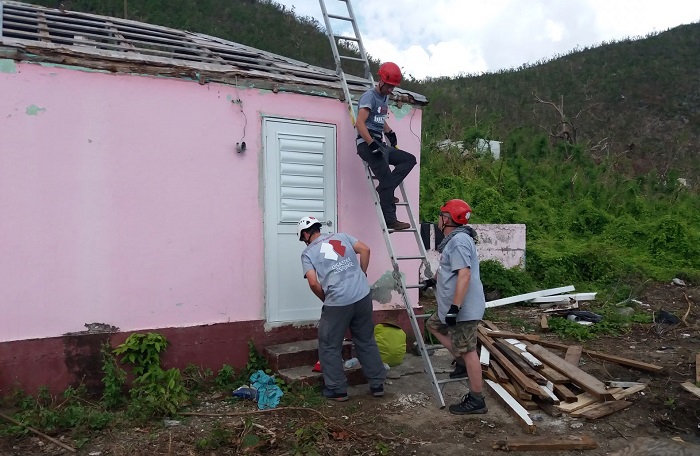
[(522, 371)]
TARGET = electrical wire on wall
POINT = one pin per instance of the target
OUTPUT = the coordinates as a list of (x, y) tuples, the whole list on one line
[(240, 146)]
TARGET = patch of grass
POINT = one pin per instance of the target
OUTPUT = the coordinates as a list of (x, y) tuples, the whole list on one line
[(302, 396)]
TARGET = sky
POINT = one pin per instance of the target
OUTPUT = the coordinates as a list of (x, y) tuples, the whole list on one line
[(433, 38)]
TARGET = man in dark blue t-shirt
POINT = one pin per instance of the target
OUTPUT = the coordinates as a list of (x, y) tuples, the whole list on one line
[(371, 125)]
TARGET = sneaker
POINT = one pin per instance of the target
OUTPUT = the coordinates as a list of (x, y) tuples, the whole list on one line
[(396, 226), (460, 371), (377, 391), (333, 396), (469, 406)]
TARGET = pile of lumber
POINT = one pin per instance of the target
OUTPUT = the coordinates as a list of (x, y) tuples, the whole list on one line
[(527, 373)]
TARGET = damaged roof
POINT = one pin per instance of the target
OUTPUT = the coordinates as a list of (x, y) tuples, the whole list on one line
[(34, 33)]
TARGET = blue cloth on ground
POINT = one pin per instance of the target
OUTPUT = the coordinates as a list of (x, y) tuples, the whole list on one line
[(269, 394)]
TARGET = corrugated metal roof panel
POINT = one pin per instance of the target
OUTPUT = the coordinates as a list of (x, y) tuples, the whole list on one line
[(120, 45)]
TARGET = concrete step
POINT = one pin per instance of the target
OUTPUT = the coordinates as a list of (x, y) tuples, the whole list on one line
[(300, 353), (303, 375)]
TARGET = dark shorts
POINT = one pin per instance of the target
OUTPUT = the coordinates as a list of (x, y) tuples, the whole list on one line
[(463, 334)]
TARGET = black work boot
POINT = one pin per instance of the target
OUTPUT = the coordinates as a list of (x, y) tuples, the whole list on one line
[(470, 405), (460, 369)]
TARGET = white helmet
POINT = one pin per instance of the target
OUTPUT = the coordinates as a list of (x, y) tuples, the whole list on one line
[(305, 223)]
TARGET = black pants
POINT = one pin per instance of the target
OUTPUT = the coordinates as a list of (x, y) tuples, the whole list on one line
[(402, 161)]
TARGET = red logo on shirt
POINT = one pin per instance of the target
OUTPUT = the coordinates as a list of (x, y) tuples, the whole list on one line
[(338, 247)]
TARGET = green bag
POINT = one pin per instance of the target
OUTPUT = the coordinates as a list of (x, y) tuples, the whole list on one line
[(391, 341)]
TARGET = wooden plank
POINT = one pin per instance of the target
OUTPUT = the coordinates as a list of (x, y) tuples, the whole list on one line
[(528, 296), (546, 407), (573, 354), (697, 368), (554, 376), (490, 325), (616, 384), (545, 443), (532, 361), (552, 397), (584, 400), (520, 393), (604, 409), (530, 406), (639, 365), (517, 410), (522, 348), (500, 373), (689, 387), (544, 323), (565, 394), (629, 391), (516, 391), (512, 335), (566, 298), (579, 377), (515, 374), (513, 354), (490, 374)]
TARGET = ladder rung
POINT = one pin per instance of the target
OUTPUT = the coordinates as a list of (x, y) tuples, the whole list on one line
[(402, 204), (410, 230), (343, 18), (434, 346), (347, 57), (423, 315), (413, 257), (343, 37), (414, 286)]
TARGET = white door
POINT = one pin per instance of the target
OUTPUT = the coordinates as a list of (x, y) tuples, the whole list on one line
[(299, 162)]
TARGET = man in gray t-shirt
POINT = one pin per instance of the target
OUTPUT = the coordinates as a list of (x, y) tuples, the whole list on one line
[(460, 299), (339, 279), (371, 125)]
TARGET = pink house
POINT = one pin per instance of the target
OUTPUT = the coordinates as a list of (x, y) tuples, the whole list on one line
[(151, 180)]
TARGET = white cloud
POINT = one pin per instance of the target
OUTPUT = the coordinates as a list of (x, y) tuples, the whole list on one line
[(448, 37)]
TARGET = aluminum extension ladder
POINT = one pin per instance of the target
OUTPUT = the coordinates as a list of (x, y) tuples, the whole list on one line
[(399, 280)]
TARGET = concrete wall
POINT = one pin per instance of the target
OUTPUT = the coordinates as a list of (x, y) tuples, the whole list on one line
[(503, 243), (123, 200)]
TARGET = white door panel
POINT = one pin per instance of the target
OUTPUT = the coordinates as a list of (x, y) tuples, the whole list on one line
[(299, 181)]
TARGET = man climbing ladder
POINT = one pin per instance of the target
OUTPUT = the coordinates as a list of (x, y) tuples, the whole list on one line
[(372, 127)]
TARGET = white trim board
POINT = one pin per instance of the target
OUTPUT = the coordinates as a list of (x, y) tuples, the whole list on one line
[(529, 296), (566, 297)]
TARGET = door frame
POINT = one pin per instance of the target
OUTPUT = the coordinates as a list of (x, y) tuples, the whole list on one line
[(330, 161)]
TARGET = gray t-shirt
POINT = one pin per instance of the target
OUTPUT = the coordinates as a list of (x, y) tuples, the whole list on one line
[(459, 253), (337, 268), (378, 109)]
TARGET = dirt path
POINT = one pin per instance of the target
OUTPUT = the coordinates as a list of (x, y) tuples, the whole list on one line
[(408, 421)]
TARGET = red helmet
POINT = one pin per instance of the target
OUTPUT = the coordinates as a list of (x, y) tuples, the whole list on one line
[(390, 73), (459, 211)]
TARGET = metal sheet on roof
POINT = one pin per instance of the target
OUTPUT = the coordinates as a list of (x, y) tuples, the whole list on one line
[(46, 33)]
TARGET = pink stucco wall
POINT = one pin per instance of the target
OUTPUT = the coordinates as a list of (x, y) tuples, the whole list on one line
[(123, 200)]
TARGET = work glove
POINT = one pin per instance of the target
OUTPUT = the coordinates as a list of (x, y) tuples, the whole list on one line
[(391, 136), (375, 147), (428, 283), (451, 317)]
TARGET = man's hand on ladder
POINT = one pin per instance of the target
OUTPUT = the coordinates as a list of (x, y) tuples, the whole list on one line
[(375, 147), (428, 283), (391, 136)]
